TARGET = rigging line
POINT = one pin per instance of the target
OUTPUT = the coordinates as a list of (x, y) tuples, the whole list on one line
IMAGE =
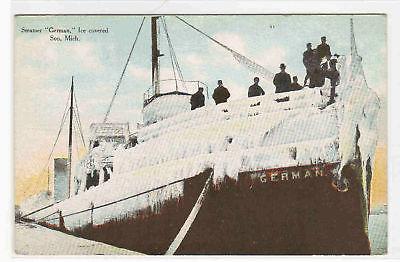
[(170, 53), (177, 64), (173, 53), (80, 129), (77, 109), (76, 138), (38, 210), (66, 110), (171, 57), (123, 71), (76, 114), (178, 68), (173, 70), (78, 117), (47, 216), (250, 64), (120, 200), (209, 37)]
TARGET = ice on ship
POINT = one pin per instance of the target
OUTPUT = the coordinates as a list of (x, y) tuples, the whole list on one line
[(283, 173)]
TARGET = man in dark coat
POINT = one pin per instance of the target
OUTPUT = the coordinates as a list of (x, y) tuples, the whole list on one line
[(282, 80), (323, 49), (317, 78), (309, 61), (197, 99), (221, 94), (294, 86), (255, 89)]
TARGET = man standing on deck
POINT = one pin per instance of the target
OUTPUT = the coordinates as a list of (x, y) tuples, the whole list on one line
[(255, 89), (309, 59), (323, 49), (197, 99), (221, 94), (282, 80)]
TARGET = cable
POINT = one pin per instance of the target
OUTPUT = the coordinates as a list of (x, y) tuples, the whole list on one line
[(170, 54), (123, 72), (77, 115), (78, 123), (209, 37), (66, 110), (119, 200), (241, 59), (173, 54), (76, 139)]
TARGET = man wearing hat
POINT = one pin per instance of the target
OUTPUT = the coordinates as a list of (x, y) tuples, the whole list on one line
[(282, 80), (221, 93)]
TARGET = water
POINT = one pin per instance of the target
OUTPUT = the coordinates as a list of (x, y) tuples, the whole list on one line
[(378, 230)]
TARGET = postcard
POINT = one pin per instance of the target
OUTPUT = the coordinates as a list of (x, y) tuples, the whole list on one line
[(200, 134)]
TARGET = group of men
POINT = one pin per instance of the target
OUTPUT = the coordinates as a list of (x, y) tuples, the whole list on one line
[(319, 64), (283, 82), (220, 95)]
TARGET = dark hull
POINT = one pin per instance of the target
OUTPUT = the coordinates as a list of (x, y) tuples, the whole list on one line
[(256, 214)]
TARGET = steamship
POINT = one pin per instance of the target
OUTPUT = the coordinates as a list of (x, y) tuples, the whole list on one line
[(285, 173)]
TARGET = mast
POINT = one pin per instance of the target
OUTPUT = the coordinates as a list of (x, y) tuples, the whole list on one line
[(155, 54), (71, 108)]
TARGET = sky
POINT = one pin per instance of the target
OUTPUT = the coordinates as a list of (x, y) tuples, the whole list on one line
[(43, 68)]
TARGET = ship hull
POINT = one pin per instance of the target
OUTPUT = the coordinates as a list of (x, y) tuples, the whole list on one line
[(293, 210)]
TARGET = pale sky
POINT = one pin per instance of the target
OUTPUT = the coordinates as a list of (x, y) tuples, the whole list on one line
[(43, 68)]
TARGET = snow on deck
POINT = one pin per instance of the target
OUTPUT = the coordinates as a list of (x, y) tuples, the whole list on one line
[(237, 137), (32, 239)]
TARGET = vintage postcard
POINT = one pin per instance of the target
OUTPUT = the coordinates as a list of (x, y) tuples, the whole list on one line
[(200, 134)]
